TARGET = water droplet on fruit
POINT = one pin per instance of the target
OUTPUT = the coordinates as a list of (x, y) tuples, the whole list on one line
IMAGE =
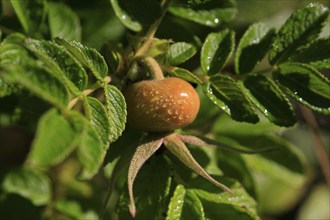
[(170, 111), (155, 99)]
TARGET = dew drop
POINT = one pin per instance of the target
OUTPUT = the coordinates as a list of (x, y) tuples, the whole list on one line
[(170, 111)]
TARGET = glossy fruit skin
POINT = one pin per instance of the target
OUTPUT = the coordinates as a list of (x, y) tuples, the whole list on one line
[(161, 105)]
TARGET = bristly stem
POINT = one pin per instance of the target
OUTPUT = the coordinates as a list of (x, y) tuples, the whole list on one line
[(152, 65), (319, 148), (86, 92), (152, 30)]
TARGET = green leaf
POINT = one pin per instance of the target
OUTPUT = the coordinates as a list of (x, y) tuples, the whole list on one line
[(69, 208), (61, 62), (319, 197), (176, 204), (31, 14), (38, 81), (315, 54), (252, 47), (234, 166), (209, 13), (111, 57), (116, 108), (303, 27), (55, 139), (178, 32), (184, 204), (283, 171), (11, 54), (216, 51), (63, 22), (306, 85), (179, 53), (99, 119), (185, 74), (224, 92), (141, 155), (270, 100), (136, 16), (91, 150), (28, 183), (222, 205), (87, 56)]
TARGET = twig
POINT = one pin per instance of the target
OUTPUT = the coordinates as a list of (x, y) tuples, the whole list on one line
[(86, 92), (320, 151), (152, 30), (152, 65)]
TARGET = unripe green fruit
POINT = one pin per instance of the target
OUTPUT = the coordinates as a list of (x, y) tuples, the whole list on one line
[(161, 105)]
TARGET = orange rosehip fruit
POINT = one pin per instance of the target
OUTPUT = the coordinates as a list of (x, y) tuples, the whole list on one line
[(161, 105)]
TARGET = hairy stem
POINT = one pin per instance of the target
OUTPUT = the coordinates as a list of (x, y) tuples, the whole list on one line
[(86, 92), (152, 65), (152, 30), (319, 148)]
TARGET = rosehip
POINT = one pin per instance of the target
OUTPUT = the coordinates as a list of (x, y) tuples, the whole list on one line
[(161, 105)]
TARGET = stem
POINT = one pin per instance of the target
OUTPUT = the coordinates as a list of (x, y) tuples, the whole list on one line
[(152, 65), (86, 92), (152, 30), (319, 148)]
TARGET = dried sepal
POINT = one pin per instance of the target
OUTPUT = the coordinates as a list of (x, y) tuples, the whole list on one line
[(141, 155), (207, 142), (179, 149)]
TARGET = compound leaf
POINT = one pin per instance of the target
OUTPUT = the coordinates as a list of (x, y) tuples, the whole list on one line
[(209, 13), (270, 100), (99, 119), (61, 62), (55, 139), (228, 96), (216, 51), (303, 27), (38, 81), (180, 52), (136, 16), (63, 22), (185, 74), (116, 108), (316, 54), (87, 56), (252, 47), (184, 204), (306, 85), (31, 14), (91, 150), (30, 184)]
